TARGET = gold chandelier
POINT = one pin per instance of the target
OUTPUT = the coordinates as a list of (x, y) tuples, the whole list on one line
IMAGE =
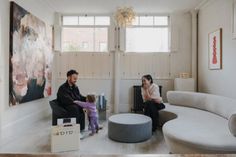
[(124, 16)]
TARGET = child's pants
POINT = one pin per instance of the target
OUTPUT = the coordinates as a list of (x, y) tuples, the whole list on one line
[(89, 125), (94, 124)]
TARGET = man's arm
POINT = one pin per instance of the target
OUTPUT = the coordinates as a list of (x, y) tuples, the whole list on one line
[(82, 98), (82, 104)]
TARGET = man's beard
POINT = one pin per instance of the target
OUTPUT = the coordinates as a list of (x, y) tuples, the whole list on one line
[(73, 83)]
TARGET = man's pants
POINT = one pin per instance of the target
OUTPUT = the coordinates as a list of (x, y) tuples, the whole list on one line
[(77, 112)]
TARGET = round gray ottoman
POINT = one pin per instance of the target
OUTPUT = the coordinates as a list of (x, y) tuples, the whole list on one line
[(129, 128)]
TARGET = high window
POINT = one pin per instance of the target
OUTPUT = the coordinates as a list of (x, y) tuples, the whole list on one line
[(85, 33)]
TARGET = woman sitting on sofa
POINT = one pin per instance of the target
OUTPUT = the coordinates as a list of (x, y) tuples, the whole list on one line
[(152, 99)]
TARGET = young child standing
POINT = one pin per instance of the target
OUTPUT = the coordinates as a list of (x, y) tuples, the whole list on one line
[(92, 112)]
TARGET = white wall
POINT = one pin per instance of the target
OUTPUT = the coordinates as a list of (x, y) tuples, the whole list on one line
[(3, 48), (164, 67), (39, 9), (214, 15), (4, 54), (182, 44), (21, 116)]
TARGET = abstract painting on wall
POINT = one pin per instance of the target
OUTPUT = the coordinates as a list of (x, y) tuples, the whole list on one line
[(215, 50), (31, 56)]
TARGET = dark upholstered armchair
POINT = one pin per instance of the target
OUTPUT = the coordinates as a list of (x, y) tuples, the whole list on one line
[(60, 112), (57, 111)]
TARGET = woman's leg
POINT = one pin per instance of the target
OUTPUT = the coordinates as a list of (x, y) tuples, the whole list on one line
[(154, 115), (151, 110), (160, 106), (146, 108)]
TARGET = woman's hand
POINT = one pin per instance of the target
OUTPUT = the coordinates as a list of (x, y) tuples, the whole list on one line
[(145, 87), (147, 95)]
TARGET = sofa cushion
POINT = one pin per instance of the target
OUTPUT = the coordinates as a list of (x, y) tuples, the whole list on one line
[(232, 124), (222, 106), (202, 131)]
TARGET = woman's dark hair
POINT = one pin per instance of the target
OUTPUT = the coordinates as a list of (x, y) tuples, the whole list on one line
[(148, 77), (71, 72)]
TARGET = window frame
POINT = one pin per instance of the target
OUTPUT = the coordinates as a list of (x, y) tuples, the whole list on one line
[(150, 26), (86, 26)]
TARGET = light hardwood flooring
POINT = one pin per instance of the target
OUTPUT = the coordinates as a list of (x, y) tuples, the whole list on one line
[(37, 140)]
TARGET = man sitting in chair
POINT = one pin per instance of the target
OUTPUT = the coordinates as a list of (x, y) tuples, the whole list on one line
[(67, 94)]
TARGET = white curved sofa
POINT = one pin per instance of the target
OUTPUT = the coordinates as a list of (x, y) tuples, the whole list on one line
[(199, 123)]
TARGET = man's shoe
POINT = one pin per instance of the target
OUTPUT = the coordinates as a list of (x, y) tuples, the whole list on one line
[(81, 136)]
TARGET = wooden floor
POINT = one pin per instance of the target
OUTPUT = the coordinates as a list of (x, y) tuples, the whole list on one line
[(37, 140), (146, 155)]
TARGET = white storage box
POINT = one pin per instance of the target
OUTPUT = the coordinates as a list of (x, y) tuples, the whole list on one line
[(65, 138)]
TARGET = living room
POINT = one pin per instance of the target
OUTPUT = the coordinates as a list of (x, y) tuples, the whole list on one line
[(187, 46)]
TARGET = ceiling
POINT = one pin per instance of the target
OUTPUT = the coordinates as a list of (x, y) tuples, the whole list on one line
[(109, 6)]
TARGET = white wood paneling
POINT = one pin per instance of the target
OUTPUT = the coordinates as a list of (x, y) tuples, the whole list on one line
[(180, 58), (161, 65), (135, 65), (62, 64), (174, 38), (89, 65), (84, 62)]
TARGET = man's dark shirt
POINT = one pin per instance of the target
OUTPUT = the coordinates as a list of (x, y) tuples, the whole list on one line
[(67, 94)]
